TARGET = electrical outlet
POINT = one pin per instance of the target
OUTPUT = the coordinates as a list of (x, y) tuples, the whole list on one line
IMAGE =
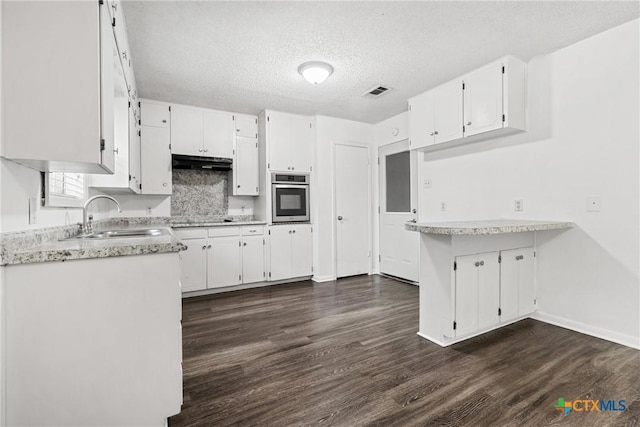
[(149, 211), (242, 209), (428, 183), (518, 205), (594, 204), (443, 206)]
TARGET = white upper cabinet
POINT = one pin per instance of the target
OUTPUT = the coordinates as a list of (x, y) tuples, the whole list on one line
[(485, 103), (201, 132), (289, 140), (155, 152), (421, 127), (483, 99), (245, 174), (187, 130), (218, 133), (246, 126), (447, 112), (58, 117), (134, 152)]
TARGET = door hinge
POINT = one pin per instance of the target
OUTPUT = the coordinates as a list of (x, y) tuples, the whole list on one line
[(499, 259), (312, 229), (169, 146), (139, 133), (264, 274), (129, 104), (268, 120), (409, 107), (129, 177), (263, 242), (234, 152), (535, 302), (503, 69), (534, 254), (378, 210), (310, 168), (256, 142), (114, 22), (269, 274), (233, 117), (140, 186), (504, 118), (463, 129), (102, 145), (379, 258), (455, 325), (312, 268), (378, 161), (239, 243), (269, 165), (269, 232), (462, 85), (499, 311), (139, 104), (256, 189), (139, 122), (169, 107), (455, 266), (256, 121), (239, 276)]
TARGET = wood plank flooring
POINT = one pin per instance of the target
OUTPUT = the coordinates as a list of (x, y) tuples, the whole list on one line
[(346, 353)]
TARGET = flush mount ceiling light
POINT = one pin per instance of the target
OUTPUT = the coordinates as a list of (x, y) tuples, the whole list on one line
[(315, 72)]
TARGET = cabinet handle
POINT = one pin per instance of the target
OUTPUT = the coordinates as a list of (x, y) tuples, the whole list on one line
[(294, 231), (435, 133), (431, 134), (164, 184), (244, 244), (468, 123), (206, 150), (204, 247), (200, 150), (209, 247), (477, 264), (481, 262), (289, 231)]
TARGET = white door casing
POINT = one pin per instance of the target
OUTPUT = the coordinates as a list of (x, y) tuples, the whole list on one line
[(352, 209), (399, 248)]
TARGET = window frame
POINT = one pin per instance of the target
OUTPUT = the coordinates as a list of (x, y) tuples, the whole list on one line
[(55, 200)]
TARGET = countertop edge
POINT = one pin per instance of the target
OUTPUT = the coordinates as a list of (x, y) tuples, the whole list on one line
[(479, 230)]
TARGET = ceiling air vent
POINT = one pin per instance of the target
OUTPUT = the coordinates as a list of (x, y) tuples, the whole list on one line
[(376, 91)]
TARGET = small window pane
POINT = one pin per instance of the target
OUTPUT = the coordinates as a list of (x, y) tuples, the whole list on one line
[(398, 182), (64, 189)]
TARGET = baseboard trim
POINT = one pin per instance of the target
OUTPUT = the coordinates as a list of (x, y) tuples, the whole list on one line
[(321, 279), (212, 291), (583, 328)]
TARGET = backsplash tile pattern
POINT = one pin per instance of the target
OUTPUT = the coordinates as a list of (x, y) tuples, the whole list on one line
[(199, 193)]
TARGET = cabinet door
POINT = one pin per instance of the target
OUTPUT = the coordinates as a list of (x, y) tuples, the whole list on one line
[(279, 253), (134, 153), (466, 298), (447, 111), (253, 259), (300, 144), (509, 285), (526, 282), (217, 134), (278, 141), (155, 164), (488, 290), (245, 167), (224, 262), (109, 57), (246, 126), (483, 99), (421, 121), (186, 131), (154, 115), (301, 250), (193, 263)]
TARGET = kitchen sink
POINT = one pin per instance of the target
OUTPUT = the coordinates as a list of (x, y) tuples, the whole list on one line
[(112, 234)]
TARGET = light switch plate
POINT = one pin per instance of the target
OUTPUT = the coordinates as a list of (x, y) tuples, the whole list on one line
[(594, 204), (518, 205), (428, 183)]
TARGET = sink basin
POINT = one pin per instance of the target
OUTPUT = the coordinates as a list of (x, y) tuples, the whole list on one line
[(111, 234)]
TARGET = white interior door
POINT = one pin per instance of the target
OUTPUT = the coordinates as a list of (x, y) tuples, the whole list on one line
[(352, 210), (398, 199)]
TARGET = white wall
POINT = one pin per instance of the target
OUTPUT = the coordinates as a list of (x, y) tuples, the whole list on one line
[(582, 141), (330, 131), (394, 129)]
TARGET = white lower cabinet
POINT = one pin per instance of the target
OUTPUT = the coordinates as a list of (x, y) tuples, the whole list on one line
[(290, 251), (477, 295), (491, 288), (517, 275), (221, 256)]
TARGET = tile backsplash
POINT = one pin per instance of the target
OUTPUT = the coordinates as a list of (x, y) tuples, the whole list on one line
[(199, 193)]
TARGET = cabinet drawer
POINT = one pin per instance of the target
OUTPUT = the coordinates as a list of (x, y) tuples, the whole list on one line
[(224, 231), (253, 231), (190, 233)]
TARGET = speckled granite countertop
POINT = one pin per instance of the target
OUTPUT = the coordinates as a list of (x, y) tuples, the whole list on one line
[(484, 227), (64, 250), (46, 244)]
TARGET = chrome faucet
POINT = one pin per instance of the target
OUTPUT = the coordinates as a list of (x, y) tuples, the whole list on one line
[(87, 224)]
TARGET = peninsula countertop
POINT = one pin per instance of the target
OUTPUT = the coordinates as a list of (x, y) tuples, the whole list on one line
[(485, 227)]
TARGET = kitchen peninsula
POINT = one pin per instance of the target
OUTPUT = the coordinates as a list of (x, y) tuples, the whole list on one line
[(476, 276)]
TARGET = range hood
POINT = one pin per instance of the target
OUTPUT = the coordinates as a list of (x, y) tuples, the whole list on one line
[(180, 161)]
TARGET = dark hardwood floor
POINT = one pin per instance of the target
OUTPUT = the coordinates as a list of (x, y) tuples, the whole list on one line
[(346, 353)]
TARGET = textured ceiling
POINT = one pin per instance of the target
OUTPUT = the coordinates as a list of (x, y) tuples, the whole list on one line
[(243, 56)]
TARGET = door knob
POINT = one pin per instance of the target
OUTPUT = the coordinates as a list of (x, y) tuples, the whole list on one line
[(339, 217)]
